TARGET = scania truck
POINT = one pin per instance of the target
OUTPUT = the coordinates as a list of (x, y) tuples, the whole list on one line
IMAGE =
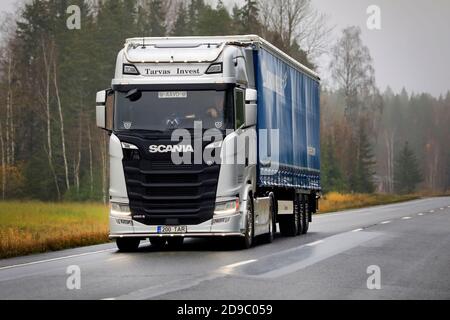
[(210, 137)]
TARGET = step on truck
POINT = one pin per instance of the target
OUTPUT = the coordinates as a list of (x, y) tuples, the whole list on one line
[(210, 137)]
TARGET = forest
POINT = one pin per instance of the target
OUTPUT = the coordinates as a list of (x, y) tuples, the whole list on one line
[(51, 150)]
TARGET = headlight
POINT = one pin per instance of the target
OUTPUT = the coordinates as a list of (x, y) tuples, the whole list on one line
[(126, 145), (120, 209), (227, 207)]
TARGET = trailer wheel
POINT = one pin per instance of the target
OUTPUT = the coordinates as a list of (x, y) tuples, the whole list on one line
[(247, 241), (127, 244), (158, 242), (289, 223), (175, 243), (305, 215)]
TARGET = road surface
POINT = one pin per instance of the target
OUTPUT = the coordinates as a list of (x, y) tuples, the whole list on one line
[(405, 247)]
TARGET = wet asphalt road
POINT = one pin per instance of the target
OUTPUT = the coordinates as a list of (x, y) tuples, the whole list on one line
[(409, 243)]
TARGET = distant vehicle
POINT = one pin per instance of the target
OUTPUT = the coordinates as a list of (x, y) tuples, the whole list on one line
[(249, 106)]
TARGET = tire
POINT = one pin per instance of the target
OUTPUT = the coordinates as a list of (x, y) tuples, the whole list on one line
[(305, 217), (289, 223), (158, 242), (175, 242), (127, 244), (247, 241)]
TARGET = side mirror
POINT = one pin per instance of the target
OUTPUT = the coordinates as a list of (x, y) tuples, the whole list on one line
[(104, 109), (251, 95), (250, 114), (100, 110)]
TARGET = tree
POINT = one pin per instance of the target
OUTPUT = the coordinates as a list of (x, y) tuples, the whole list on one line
[(195, 10), (157, 18), (331, 174), (406, 173), (245, 19), (295, 23), (364, 170), (212, 21), (352, 70), (181, 26)]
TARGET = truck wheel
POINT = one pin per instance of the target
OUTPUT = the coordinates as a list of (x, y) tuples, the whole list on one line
[(305, 216), (127, 244), (289, 224), (247, 241), (299, 207), (268, 237), (175, 243), (158, 242)]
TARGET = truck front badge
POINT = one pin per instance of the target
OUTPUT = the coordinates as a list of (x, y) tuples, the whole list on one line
[(170, 148)]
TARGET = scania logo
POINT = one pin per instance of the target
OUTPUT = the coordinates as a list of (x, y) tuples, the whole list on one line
[(170, 148)]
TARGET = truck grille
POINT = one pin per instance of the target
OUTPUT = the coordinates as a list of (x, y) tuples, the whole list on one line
[(163, 193)]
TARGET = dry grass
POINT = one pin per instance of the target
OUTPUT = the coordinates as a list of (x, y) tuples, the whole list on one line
[(28, 227), (335, 201)]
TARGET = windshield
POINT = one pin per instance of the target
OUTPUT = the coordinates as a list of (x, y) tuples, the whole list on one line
[(167, 110)]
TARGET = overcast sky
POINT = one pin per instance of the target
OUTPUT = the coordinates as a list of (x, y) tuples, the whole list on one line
[(411, 50)]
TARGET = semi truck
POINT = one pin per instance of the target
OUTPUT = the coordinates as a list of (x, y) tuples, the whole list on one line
[(210, 137)]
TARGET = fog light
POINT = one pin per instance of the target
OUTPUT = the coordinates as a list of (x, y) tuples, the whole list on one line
[(124, 221), (227, 207)]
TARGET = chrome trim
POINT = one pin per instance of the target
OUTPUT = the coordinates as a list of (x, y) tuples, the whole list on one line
[(185, 235)]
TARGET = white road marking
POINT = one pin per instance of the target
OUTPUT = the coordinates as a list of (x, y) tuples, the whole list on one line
[(356, 230), (314, 243), (441, 208), (406, 218), (385, 222), (340, 213), (117, 258), (55, 259), (237, 264), (431, 211), (420, 214)]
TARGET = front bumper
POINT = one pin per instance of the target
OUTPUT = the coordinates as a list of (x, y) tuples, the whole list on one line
[(230, 225)]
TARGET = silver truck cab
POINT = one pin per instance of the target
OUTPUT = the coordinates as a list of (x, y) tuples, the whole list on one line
[(167, 85)]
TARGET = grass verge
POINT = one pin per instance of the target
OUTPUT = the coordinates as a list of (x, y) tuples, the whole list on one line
[(335, 201), (29, 227)]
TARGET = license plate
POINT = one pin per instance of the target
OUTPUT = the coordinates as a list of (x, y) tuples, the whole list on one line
[(171, 229)]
